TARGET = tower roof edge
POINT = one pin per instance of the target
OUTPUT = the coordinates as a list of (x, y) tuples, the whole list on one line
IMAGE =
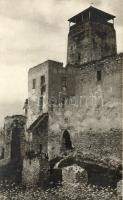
[(94, 12)]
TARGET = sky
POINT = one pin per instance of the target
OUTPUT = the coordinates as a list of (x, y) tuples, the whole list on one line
[(32, 31)]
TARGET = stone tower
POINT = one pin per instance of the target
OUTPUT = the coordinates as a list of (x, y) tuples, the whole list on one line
[(91, 37)]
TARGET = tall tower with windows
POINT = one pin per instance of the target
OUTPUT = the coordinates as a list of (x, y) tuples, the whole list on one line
[(91, 36)]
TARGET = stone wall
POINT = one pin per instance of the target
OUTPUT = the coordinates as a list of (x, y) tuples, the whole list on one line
[(34, 94), (41, 90), (35, 171), (31, 170), (90, 114), (40, 138), (14, 130), (93, 115)]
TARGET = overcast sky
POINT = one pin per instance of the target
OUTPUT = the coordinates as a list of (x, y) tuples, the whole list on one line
[(32, 31)]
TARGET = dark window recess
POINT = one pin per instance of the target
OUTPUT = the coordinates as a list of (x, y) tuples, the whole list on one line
[(3, 150), (99, 75), (41, 104), (63, 102), (2, 153), (42, 80), (64, 81), (71, 47), (79, 57), (43, 89), (33, 83), (67, 144), (40, 148)]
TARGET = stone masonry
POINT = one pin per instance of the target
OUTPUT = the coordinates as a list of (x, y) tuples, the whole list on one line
[(78, 108)]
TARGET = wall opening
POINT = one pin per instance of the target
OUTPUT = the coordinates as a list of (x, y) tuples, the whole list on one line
[(2, 153), (33, 83), (66, 141), (41, 103), (43, 89), (64, 81), (79, 57), (43, 85), (42, 80), (63, 102), (40, 148), (99, 75)]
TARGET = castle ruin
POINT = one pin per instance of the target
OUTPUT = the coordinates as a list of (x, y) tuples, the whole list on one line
[(76, 111)]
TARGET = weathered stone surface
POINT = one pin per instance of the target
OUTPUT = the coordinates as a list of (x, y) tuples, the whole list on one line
[(120, 190), (14, 129), (74, 174), (90, 41), (35, 171), (84, 109), (31, 170)]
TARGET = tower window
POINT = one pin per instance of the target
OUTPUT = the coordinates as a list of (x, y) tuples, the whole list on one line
[(43, 89), (99, 75), (42, 84), (41, 103), (33, 83), (42, 80)]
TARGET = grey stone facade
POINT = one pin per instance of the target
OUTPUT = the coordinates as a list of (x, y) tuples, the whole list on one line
[(77, 108)]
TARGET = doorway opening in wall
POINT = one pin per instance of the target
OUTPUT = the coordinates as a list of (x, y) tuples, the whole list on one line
[(66, 141)]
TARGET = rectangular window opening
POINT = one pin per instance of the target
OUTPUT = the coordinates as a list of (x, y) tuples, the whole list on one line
[(33, 83), (40, 148), (99, 75), (64, 81), (42, 80), (43, 89)]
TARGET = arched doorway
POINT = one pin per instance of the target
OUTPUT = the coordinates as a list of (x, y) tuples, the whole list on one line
[(66, 141)]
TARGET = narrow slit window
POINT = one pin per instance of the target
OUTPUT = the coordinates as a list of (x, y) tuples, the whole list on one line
[(40, 148), (43, 89), (42, 80), (99, 75), (64, 81), (33, 83), (79, 57), (41, 103)]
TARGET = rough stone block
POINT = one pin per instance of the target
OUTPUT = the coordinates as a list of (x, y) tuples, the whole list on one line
[(74, 174)]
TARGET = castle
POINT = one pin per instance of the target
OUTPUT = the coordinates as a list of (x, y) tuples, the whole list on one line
[(77, 109)]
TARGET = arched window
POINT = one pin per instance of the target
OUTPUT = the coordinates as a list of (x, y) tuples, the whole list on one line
[(67, 144)]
